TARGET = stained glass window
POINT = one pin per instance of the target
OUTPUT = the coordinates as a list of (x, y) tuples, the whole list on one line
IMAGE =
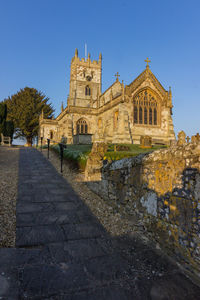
[(155, 116), (150, 116), (81, 127)]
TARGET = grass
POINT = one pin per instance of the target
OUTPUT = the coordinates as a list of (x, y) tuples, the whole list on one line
[(77, 155), (134, 150)]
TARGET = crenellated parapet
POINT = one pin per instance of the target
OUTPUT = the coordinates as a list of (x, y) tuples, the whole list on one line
[(85, 81), (86, 62)]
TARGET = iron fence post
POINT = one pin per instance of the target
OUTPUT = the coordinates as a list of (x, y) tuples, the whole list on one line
[(61, 156), (41, 142), (48, 143)]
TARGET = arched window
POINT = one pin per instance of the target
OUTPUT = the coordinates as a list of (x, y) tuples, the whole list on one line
[(146, 108), (87, 90), (150, 116), (51, 134), (81, 127), (135, 114), (145, 115), (155, 116), (140, 115)]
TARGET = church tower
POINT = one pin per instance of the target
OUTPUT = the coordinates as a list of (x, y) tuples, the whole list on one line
[(85, 81)]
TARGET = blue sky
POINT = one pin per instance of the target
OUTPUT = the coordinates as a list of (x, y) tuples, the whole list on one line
[(38, 39)]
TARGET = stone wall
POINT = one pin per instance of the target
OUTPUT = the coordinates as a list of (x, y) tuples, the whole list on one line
[(161, 190)]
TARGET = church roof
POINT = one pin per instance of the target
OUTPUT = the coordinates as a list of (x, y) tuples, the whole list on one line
[(147, 73), (109, 88)]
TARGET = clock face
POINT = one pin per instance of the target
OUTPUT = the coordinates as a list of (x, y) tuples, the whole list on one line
[(89, 78)]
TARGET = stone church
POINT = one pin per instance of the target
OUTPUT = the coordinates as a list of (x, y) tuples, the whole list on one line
[(121, 114)]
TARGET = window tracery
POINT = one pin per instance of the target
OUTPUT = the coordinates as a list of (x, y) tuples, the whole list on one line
[(145, 115), (145, 108), (81, 127), (155, 116), (150, 116), (135, 114), (140, 115), (87, 90)]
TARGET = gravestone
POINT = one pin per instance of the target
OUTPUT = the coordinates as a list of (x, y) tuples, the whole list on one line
[(195, 138), (122, 148), (181, 138), (145, 141), (95, 162)]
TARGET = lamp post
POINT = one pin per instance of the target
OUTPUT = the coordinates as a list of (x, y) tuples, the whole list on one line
[(41, 141), (62, 147), (48, 143)]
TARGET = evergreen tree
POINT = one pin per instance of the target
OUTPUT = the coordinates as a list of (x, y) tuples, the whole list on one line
[(3, 112), (9, 129), (24, 109), (3, 115)]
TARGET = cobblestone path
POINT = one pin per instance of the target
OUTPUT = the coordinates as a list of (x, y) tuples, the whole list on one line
[(63, 252)]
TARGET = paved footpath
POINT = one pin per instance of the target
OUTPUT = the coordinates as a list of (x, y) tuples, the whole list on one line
[(63, 253)]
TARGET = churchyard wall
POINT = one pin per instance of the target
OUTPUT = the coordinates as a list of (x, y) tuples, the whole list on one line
[(161, 190)]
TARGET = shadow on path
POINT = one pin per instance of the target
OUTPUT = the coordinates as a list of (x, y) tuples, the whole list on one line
[(63, 252)]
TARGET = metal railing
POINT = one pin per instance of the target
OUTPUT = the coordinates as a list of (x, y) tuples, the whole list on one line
[(61, 146)]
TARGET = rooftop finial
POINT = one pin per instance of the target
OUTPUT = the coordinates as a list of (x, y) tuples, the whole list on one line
[(117, 76), (100, 56), (85, 51), (62, 107), (88, 55), (147, 61), (76, 52)]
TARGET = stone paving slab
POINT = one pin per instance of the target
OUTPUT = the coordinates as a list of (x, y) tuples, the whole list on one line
[(82, 231), (64, 253), (111, 292), (41, 280), (38, 235), (18, 257), (31, 207), (9, 284), (45, 196), (44, 218), (77, 250)]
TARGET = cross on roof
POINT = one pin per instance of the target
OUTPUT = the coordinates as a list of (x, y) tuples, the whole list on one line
[(147, 61), (117, 76)]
